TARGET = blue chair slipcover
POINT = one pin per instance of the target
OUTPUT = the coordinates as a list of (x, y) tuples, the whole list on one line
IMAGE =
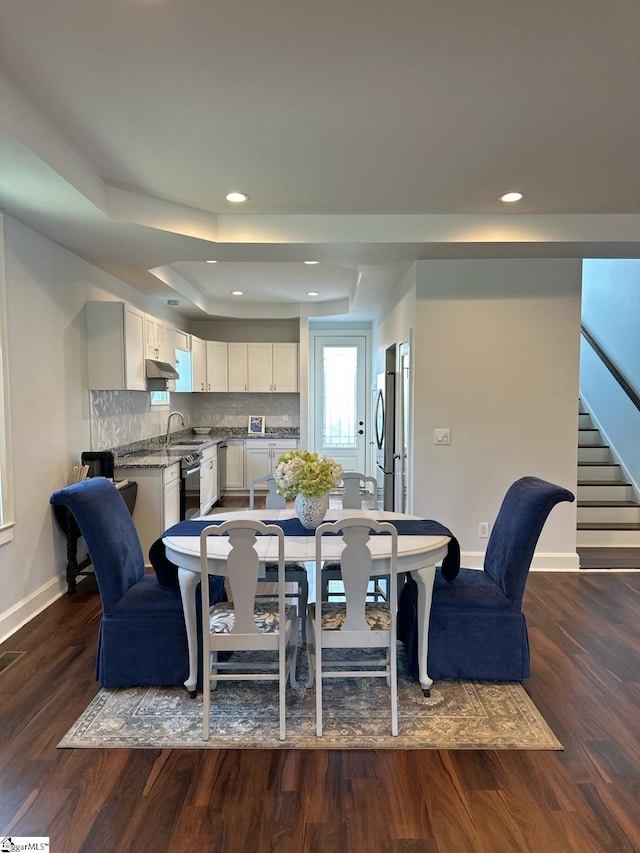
[(142, 640), (477, 630)]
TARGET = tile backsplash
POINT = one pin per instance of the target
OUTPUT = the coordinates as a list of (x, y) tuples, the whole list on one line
[(124, 417), (233, 410)]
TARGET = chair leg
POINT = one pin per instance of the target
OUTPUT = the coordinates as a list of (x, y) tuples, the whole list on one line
[(318, 656), (206, 704), (213, 670), (311, 657), (303, 600), (293, 663), (394, 690), (282, 692)]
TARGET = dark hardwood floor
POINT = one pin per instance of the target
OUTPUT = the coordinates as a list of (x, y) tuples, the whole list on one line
[(586, 681)]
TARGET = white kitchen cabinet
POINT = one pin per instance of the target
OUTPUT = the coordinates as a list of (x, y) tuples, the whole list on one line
[(116, 347), (171, 496), (237, 366), (155, 339), (285, 367), (259, 367), (170, 354), (272, 367), (217, 377), (182, 340), (183, 362), (208, 479), (261, 455), (235, 464), (199, 363), (157, 503)]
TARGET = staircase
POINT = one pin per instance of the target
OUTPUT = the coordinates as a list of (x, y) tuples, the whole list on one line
[(608, 510)]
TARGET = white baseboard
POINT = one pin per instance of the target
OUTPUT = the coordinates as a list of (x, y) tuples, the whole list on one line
[(24, 611), (545, 562)]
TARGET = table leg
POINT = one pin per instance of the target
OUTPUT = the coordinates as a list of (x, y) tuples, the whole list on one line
[(424, 578), (188, 582), (72, 551)]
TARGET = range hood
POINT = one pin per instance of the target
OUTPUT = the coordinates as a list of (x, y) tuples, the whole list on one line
[(160, 370)]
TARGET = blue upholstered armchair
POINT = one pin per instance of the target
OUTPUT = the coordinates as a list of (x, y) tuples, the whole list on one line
[(142, 639), (477, 629)]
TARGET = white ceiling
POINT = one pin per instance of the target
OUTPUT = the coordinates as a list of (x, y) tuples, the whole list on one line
[(369, 134)]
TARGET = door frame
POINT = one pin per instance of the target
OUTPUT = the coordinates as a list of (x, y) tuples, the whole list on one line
[(342, 331)]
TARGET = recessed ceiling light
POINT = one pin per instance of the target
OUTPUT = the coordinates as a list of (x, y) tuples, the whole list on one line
[(311, 263), (212, 262), (237, 292), (312, 293), (237, 198), (510, 197)]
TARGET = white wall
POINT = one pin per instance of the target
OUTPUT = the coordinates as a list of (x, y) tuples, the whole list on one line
[(47, 288), (235, 329), (396, 321), (495, 360)]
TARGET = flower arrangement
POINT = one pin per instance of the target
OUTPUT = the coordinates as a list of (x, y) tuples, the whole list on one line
[(300, 472)]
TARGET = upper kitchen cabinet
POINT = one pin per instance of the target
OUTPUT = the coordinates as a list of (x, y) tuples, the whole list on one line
[(217, 374), (116, 347), (269, 367), (183, 361), (237, 366), (170, 353), (199, 363), (285, 367), (156, 340)]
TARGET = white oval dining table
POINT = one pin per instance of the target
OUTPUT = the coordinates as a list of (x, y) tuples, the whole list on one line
[(416, 554)]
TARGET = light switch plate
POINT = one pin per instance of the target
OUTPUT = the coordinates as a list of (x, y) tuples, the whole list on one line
[(442, 436)]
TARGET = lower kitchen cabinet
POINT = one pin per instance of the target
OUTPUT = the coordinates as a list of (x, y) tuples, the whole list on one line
[(234, 474), (158, 502), (262, 455), (208, 479)]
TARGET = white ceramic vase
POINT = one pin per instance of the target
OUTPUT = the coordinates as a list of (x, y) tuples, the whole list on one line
[(311, 511)]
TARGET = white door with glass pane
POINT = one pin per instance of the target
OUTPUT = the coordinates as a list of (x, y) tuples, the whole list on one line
[(341, 399)]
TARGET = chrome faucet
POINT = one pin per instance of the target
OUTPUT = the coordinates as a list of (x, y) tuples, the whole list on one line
[(181, 416)]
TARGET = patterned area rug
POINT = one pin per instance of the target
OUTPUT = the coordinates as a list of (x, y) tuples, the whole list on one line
[(244, 715)]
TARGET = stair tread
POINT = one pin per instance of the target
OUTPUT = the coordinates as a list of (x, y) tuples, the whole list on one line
[(604, 483), (598, 464), (599, 446), (596, 557), (608, 525), (608, 503)]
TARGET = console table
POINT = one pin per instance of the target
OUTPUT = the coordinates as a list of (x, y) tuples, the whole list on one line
[(69, 527)]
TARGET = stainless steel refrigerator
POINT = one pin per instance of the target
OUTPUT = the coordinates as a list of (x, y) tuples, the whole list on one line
[(384, 427)]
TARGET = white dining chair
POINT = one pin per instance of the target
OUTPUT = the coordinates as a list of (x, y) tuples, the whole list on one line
[(359, 492), (294, 572), (244, 624), (354, 623)]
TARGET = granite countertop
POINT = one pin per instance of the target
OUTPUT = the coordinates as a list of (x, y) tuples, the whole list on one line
[(155, 454)]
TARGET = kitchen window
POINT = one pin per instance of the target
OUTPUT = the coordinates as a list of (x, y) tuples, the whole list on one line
[(6, 474), (159, 399)]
